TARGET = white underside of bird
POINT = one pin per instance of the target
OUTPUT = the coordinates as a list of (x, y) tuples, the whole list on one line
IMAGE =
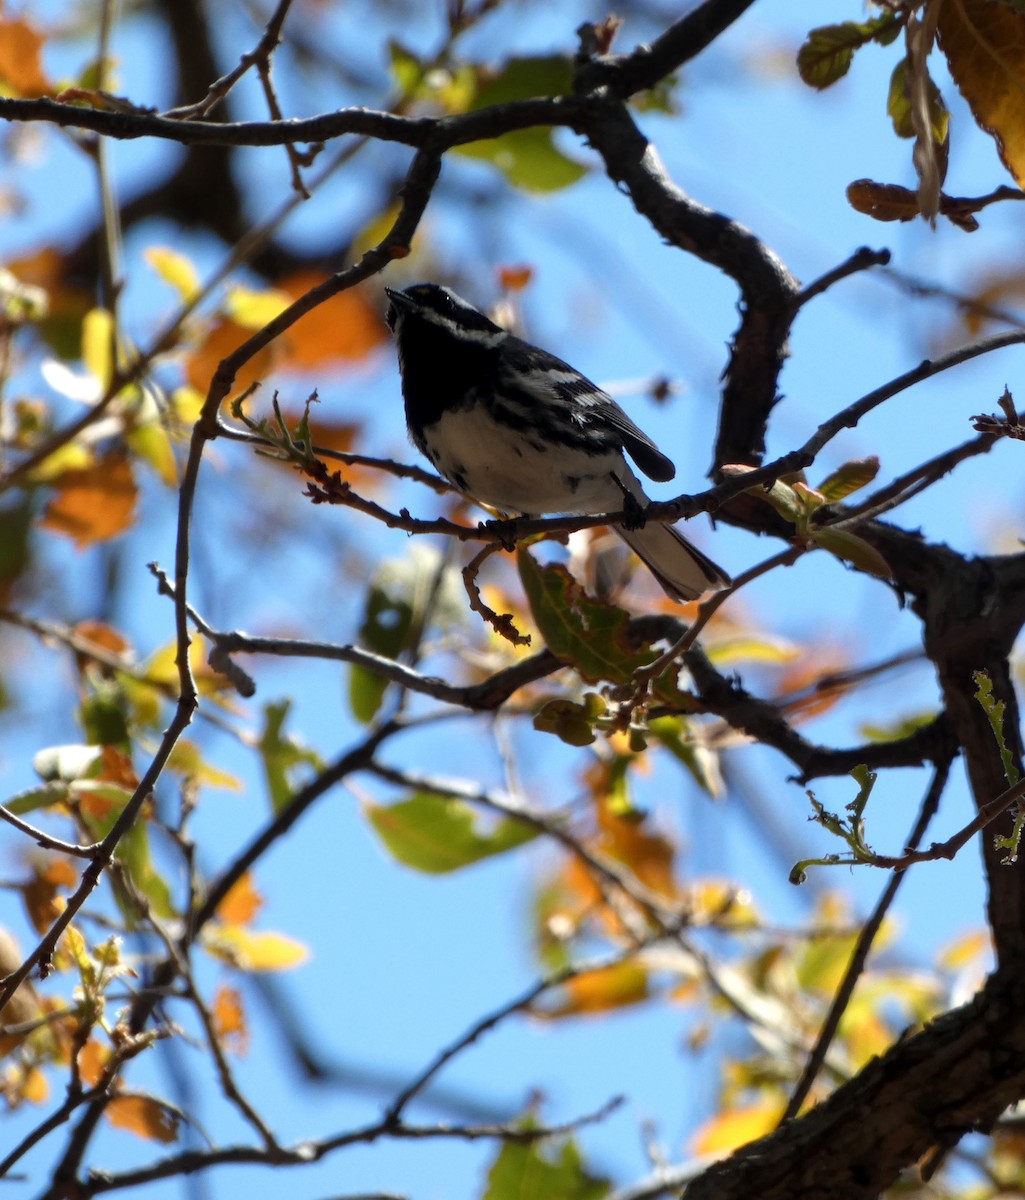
[(534, 476)]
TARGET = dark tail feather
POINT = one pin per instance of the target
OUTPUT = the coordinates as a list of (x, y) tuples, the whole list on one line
[(681, 569)]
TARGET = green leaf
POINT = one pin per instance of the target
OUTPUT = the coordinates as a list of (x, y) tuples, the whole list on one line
[(700, 761), (829, 51), (849, 478), (281, 753), (585, 634), (525, 78), (572, 722), (436, 834), (104, 717), (542, 1172), (528, 158), (133, 852), (897, 730), (401, 596), (37, 797), (853, 549), (898, 106), (994, 710)]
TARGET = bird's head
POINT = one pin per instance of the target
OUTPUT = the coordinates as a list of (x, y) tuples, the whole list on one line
[(431, 305)]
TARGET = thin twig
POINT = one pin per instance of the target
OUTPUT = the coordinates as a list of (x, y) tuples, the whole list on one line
[(859, 954)]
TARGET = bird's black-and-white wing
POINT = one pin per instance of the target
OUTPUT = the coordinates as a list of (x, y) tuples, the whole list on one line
[(551, 389)]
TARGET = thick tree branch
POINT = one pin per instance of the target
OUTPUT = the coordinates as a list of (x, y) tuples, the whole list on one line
[(956, 1076)]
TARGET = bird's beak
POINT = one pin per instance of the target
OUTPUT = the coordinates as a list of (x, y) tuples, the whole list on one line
[(400, 299)]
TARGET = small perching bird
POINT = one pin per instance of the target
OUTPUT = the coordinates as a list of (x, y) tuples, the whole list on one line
[(516, 428)]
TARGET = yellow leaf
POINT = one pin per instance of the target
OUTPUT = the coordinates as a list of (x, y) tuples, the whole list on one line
[(71, 457), (985, 48), (98, 335), (753, 647), (94, 504), (174, 268), (75, 944), (34, 1087), (250, 950), (729, 1130), (968, 949), (144, 1116), (253, 309)]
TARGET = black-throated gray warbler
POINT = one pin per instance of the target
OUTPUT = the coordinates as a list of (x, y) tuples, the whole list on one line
[(514, 427)]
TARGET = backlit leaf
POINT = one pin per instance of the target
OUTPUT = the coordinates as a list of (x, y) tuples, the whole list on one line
[(229, 1019), (584, 633), (985, 48), (21, 66), (144, 1116), (345, 329), (614, 987), (281, 754), (223, 338), (242, 903), (98, 346), (853, 475), (737, 1127), (174, 268), (853, 549), (829, 51), (528, 158), (252, 308), (436, 834), (94, 504), (537, 1170), (253, 950)]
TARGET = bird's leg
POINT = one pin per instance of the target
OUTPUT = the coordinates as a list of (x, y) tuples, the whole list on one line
[(635, 518), (505, 527)]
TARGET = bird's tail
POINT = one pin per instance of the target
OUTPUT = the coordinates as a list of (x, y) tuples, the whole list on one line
[(681, 569)]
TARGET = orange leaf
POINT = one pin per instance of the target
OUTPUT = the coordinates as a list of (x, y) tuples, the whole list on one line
[(229, 1016), (242, 902), (515, 279), (602, 990), (92, 1058), (40, 892), (345, 329), (731, 1129), (102, 636), (94, 504), (144, 1116), (222, 339), (34, 1087), (21, 67), (985, 48), (649, 855)]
